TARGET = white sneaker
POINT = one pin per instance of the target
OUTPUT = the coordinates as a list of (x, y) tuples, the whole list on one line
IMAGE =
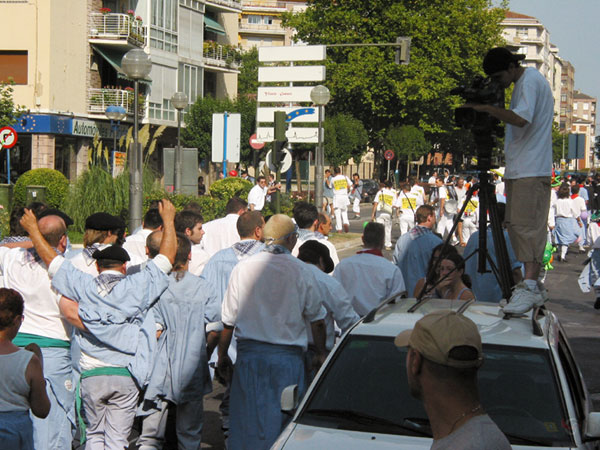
[(523, 299)]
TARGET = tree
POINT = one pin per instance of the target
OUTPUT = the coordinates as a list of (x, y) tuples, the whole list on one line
[(198, 130), (248, 77), (408, 143), (344, 137), (449, 40), (9, 112), (559, 142)]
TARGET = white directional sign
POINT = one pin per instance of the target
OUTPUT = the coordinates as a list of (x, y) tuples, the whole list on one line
[(294, 135), (226, 149), (296, 73), (284, 94), (267, 115), (295, 53)]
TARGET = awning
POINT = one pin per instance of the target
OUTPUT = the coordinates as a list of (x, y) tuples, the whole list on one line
[(114, 57), (213, 25)]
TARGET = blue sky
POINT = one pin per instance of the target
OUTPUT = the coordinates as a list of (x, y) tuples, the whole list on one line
[(574, 28)]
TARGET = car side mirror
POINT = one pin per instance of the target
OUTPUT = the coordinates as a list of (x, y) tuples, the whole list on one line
[(289, 399), (592, 429)]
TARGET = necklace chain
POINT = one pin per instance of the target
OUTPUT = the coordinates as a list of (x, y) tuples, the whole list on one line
[(463, 415)]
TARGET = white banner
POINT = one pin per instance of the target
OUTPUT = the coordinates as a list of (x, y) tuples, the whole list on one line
[(294, 135), (296, 73), (284, 94), (295, 53), (233, 138)]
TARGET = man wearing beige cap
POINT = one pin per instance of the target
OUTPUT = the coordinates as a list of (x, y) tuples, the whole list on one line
[(270, 299), (444, 354)]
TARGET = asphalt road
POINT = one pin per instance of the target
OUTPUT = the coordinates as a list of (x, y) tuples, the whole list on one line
[(573, 308)]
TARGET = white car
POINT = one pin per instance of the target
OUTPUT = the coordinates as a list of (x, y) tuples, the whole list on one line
[(529, 384)]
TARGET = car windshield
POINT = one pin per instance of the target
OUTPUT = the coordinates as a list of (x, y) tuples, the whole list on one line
[(365, 389)]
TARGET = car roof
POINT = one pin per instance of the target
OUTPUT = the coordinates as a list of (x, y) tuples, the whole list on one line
[(393, 318)]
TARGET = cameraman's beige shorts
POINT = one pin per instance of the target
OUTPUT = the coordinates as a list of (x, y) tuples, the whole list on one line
[(527, 206)]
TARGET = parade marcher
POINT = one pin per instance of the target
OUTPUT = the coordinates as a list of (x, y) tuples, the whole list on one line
[(22, 384), (470, 219), (579, 204), (432, 179), (528, 153), (356, 194), (333, 295), (188, 318), (328, 194), (26, 272), (414, 248), (135, 244), (568, 224), (416, 189), (341, 185), (222, 233), (119, 335), (447, 201), (271, 335), (217, 272), (324, 226), (306, 217), (406, 204), (368, 276), (485, 285), (190, 222), (444, 353), (383, 210)]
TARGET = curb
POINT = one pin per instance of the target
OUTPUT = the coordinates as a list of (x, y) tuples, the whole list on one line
[(347, 244)]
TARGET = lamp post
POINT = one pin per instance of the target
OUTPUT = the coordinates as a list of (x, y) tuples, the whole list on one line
[(179, 100), (115, 114), (136, 64), (320, 97)]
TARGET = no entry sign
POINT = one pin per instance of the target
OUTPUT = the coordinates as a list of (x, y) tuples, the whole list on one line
[(388, 154), (8, 137)]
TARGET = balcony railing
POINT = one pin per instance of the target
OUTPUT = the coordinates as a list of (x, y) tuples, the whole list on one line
[(234, 4), (264, 3), (100, 99), (117, 27), (221, 55)]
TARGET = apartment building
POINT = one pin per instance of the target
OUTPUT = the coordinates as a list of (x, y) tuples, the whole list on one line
[(566, 96), (584, 122), (527, 35), (260, 22), (65, 58)]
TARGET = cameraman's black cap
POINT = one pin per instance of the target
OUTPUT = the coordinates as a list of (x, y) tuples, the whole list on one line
[(103, 221), (498, 59), (113, 252)]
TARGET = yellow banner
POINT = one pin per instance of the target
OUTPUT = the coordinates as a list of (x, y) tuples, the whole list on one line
[(409, 203), (471, 206), (339, 185), (387, 199)]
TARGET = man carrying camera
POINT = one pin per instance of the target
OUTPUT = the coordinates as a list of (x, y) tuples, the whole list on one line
[(528, 153)]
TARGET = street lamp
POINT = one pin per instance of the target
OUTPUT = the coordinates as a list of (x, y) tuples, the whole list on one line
[(320, 96), (179, 100), (136, 64), (115, 114)]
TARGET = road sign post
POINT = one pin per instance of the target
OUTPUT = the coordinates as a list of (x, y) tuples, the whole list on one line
[(389, 155)]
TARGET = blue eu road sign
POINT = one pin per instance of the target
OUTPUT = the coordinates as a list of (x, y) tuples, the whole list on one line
[(299, 112)]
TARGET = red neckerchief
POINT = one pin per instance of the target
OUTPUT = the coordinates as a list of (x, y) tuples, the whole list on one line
[(371, 251), (574, 195)]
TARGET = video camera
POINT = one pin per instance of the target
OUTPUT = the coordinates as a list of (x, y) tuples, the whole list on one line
[(483, 91)]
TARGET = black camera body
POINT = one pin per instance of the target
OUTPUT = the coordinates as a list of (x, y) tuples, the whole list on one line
[(483, 91)]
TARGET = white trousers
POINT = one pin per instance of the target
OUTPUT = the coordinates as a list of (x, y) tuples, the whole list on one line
[(468, 228), (386, 220), (407, 222), (341, 216), (356, 205), (445, 225)]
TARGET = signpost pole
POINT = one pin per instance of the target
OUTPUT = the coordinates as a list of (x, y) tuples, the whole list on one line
[(8, 165), (225, 144)]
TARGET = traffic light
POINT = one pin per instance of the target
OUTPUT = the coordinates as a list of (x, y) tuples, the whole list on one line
[(403, 50), (280, 138)]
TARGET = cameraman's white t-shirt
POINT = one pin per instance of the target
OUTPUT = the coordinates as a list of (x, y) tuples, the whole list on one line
[(528, 149)]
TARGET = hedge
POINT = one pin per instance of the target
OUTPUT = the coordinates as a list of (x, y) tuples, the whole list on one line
[(57, 186)]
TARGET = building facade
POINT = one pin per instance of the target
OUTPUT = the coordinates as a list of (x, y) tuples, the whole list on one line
[(65, 59), (584, 122), (566, 96)]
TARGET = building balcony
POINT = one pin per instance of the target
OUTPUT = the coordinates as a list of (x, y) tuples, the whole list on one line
[(121, 30), (226, 5), (257, 28), (264, 5), (100, 99), (221, 56)]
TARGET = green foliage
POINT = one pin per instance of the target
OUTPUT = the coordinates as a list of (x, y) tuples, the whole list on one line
[(198, 120), (212, 208), (407, 141), (4, 221), (97, 191), (286, 206), (559, 142), (449, 40), (229, 187), (345, 138), (56, 184), (9, 112), (248, 77)]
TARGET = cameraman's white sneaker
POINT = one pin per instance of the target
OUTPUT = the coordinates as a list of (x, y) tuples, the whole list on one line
[(523, 299)]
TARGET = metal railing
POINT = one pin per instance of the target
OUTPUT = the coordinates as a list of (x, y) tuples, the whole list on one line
[(235, 4), (265, 3), (222, 56), (117, 27), (100, 99)]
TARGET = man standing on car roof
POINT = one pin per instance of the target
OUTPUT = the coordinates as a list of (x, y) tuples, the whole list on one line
[(444, 355)]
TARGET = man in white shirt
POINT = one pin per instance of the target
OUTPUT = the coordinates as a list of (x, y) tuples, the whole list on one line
[(271, 334), (367, 276), (135, 244), (341, 185), (222, 233), (258, 194), (417, 189), (406, 205), (383, 210), (528, 152), (44, 324)]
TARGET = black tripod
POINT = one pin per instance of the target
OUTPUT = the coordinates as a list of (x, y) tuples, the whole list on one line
[(487, 204)]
